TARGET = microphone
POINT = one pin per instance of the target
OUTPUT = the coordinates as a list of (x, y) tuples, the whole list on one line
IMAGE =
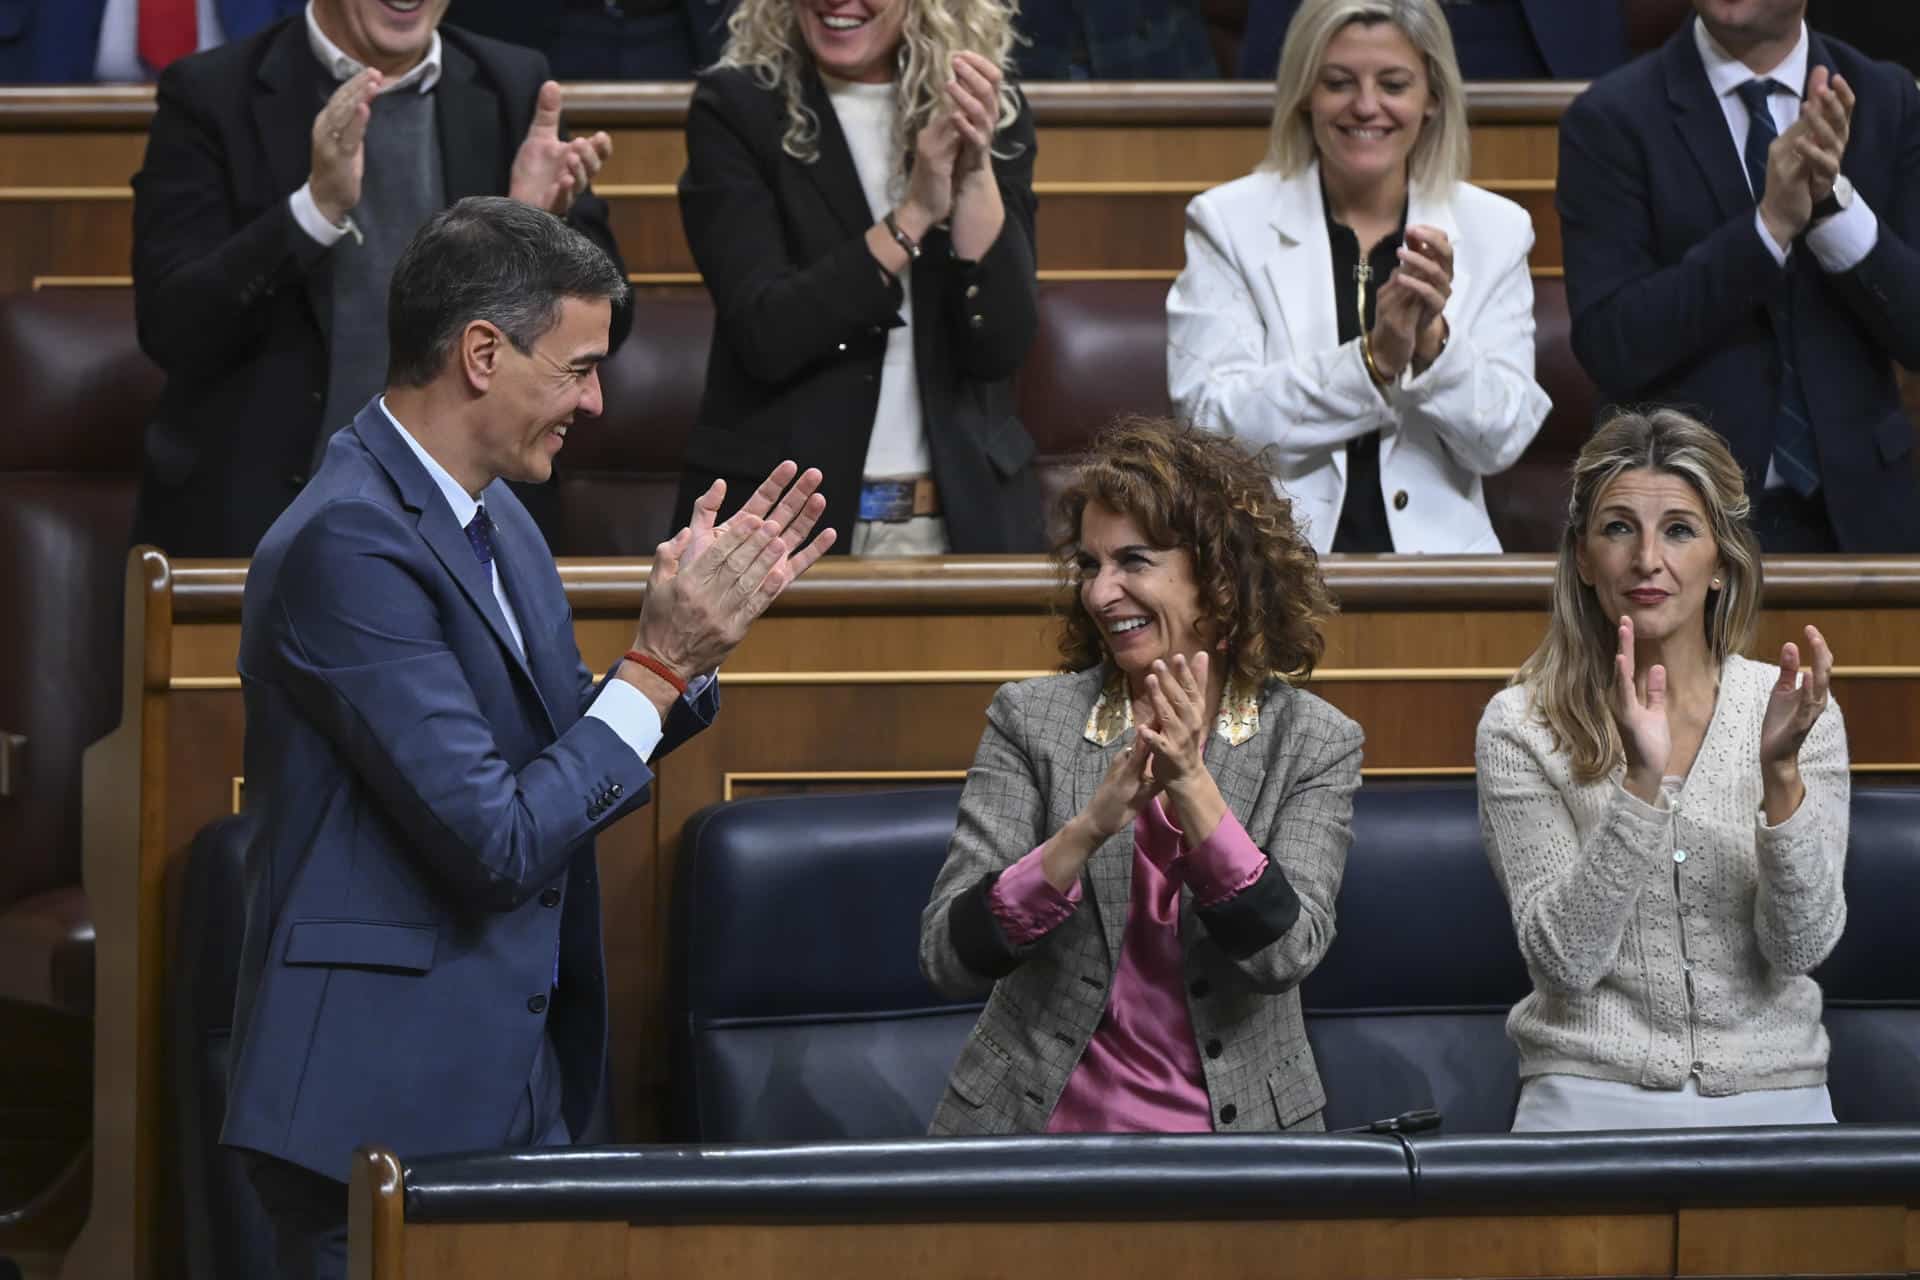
[(1419, 1120)]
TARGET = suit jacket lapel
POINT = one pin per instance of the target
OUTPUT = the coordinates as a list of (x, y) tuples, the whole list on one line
[(436, 524), (517, 563), (1109, 872), (1299, 269), (833, 170), (1703, 125), (290, 88), (467, 113)]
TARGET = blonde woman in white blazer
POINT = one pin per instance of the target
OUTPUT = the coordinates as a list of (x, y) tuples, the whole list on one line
[(1434, 389)]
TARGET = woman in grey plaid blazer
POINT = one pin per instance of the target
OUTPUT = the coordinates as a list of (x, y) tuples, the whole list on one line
[(1149, 847)]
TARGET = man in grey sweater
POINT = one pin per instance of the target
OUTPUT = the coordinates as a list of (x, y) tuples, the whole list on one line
[(283, 175)]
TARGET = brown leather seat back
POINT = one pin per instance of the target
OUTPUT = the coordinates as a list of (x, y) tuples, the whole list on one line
[(1528, 504), (79, 394), (619, 473), (1100, 353)]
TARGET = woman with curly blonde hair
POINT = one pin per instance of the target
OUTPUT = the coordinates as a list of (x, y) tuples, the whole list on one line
[(1149, 846), (859, 199)]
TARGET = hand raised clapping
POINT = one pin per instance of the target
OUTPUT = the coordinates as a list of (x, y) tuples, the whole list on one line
[(709, 583), (1645, 736), (953, 153), (1409, 326), (1798, 698), (1178, 730), (550, 172)]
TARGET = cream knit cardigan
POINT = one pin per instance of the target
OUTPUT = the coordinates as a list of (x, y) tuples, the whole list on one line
[(1614, 899)]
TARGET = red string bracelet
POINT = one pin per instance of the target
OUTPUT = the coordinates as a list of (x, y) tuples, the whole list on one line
[(658, 668)]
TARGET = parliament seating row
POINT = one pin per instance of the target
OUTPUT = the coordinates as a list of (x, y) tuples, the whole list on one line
[(800, 1015), (82, 394), (800, 1012)]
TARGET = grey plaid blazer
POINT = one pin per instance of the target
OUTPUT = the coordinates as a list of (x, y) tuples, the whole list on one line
[(1291, 785)]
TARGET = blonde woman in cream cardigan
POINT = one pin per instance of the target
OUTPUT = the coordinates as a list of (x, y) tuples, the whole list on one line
[(1667, 818)]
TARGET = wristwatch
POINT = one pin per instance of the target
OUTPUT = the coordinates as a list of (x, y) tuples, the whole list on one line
[(1838, 199)]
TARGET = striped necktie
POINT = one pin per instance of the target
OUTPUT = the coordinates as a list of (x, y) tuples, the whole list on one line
[(1794, 454)]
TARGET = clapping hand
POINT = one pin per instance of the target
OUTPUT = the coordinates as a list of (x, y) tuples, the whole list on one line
[(1178, 734), (550, 172), (1124, 791), (710, 582), (1409, 327), (1644, 733), (339, 161), (1797, 700)]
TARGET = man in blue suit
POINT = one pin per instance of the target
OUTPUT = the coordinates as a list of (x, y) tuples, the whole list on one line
[(1493, 39), (1740, 211), (427, 758)]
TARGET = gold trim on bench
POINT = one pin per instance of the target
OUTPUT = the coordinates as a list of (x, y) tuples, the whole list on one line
[(82, 282), (838, 775)]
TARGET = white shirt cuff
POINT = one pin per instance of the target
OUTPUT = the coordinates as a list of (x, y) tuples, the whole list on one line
[(1843, 241), (307, 214), (1766, 238), (631, 716)]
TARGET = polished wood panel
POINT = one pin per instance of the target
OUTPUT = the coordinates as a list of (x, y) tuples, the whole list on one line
[(1115, 167), (1793, 1241)]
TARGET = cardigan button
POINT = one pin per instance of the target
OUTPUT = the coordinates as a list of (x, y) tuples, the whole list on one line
[(1215, 1048), (1229, 1113), (1400, 500), (973, 291), (976, 322), (1679, 855)]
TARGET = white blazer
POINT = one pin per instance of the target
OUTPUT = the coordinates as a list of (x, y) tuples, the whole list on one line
[(1253, 351)]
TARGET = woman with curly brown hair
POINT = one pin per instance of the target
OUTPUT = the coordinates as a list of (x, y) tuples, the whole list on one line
[(1149, 846)]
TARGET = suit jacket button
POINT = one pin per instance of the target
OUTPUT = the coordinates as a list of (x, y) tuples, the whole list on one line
[(615, 790), (550, 898), (973, 291), (975, 322), (1215, 1048), (1229, 1113), (537, 1004), (1400, 500)]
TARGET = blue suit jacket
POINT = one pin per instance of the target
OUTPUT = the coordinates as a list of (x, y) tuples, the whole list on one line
[(1671, 288), (426, 804), (1576, 41), (56, 41)]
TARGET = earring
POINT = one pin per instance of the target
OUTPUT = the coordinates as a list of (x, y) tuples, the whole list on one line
[(1715, 584)]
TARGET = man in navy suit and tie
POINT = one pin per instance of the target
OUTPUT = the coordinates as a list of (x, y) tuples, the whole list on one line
[(1740, 211), (427, 759)]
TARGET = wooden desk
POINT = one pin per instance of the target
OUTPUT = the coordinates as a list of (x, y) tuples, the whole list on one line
[(867, 674)]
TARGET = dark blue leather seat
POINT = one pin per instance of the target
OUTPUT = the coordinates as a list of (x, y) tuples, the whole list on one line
[(1408, 1009), (1872, 979), (798, 1007)]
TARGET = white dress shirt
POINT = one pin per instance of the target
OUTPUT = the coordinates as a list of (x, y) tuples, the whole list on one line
[(623, 708), (343, 67), (1839, 243)]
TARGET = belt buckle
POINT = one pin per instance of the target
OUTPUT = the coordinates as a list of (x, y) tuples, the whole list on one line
[(887, 501)]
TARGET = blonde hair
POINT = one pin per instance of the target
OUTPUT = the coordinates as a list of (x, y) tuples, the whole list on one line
[(1569, 676), (1440, 156), (764, 40)]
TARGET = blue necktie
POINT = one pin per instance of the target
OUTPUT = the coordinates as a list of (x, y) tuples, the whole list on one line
[(1794, 455), (480, 535)]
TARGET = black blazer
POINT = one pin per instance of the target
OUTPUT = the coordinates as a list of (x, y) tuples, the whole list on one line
[(233, 300), (802, 313), (1670, 285)]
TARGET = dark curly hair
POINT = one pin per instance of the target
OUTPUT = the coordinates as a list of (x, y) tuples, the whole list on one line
[(1260, 584)]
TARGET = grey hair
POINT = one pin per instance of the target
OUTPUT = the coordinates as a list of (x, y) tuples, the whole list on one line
[(1440, 157), (493, 259)]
